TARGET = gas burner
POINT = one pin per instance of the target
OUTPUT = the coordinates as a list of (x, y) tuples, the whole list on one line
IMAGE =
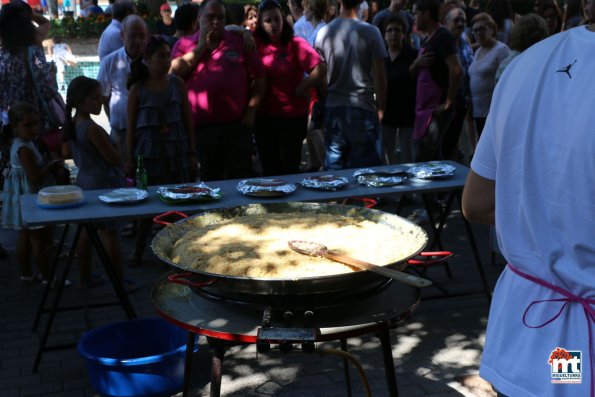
[(283, 332)]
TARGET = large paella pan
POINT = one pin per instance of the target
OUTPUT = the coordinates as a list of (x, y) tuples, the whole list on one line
[(409, 241)]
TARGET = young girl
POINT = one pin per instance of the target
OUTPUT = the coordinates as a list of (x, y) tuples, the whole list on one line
[(282, 122), (99, 164), (29, 172), (159, 127)]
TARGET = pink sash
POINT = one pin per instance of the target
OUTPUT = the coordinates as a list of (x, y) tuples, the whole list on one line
[(567, 299), (427, 97)]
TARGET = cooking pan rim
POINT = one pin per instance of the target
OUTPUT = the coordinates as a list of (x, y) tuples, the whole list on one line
[(300, 205)]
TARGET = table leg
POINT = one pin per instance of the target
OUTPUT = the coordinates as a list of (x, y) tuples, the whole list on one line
[(218, 350), (47, 288), (437, 230), (109, 269), (48, 326), (190, 341), (346, 368), (389, 364)]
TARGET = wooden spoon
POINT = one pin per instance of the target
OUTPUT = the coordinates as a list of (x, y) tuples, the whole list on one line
[(315, 249)]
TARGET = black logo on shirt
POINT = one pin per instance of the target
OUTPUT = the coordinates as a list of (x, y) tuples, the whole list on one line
[(566, 69)]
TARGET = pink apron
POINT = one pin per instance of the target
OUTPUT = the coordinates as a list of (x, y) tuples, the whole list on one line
[(427, 97), (567, 298)]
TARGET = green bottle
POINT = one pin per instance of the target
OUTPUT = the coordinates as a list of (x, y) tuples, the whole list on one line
[(141, 174)]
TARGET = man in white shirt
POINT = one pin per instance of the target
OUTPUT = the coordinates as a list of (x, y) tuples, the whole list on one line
[(111, 38), (113, 74), (532, 177)]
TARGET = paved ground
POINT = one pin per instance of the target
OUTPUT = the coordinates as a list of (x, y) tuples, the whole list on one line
[(434, 350)]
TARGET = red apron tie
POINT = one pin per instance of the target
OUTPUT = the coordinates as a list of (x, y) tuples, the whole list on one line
[(568, 298)]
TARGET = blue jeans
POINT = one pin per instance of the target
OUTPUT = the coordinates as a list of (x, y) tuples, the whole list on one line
[(352, 138)]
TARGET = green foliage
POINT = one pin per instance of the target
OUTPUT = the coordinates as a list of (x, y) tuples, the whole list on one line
[(90, 27), (68, 27)]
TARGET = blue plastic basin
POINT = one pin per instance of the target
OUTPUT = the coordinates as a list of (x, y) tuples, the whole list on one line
[(141, 357)]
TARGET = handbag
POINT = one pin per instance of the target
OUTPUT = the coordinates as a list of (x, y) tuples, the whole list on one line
[(49, 100)]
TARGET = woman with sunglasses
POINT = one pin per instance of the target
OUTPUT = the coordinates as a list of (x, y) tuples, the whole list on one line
[(482, 72), (281, 124)]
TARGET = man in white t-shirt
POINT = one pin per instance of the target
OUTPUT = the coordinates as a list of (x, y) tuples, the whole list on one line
[(533, 178)]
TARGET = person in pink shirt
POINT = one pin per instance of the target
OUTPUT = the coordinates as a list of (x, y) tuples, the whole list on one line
[(225, 86), (282, 121)]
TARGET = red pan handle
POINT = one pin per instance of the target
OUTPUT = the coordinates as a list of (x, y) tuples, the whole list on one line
[(430, 258), (159, 218), (185, 279)]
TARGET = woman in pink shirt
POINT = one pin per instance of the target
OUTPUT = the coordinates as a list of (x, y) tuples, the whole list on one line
[(282, 121)]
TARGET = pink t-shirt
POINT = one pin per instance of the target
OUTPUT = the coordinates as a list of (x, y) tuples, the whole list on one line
[(218, 88), (285, 66)]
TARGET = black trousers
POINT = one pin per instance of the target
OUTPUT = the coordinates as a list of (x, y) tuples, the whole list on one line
[(279, 141), (224, 151), (450, 143)]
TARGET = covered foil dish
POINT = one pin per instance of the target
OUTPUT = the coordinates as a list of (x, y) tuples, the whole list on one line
[(124, 196), (432, 170), (189, 192), (265, 187), (374, 178), (324, 182)]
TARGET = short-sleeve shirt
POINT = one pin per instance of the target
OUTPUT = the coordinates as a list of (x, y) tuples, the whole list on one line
[(303, 28), (113, 75), (163, 29), (285, 66), (218, 88), (538, 146), (110, 39), (482, 74), (349, 47), (442, 44)]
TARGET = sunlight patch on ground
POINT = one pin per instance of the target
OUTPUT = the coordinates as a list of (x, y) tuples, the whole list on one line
[(405, 345), (459, 352)]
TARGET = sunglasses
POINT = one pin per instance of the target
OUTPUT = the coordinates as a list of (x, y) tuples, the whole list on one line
[(166, 11), (269, 4)]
